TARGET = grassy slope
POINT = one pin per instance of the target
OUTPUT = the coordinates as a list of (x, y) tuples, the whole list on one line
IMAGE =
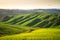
[(6, 29), (24, 22), (44, 20), (39, 34)]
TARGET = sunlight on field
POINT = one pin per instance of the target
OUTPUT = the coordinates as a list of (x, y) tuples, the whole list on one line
[(39, 34), (31, 26)]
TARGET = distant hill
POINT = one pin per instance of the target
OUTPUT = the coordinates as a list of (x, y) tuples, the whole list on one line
[(18, 11)]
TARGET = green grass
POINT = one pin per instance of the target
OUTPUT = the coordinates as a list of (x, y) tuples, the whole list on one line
[(29, 19), (6, 29), (39, 34), (21, 27)]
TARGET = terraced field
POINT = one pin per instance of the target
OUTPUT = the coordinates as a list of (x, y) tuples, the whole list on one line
[(34, 20), (21, 27)]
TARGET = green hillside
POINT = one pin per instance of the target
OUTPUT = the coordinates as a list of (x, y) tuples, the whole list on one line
[(6, 29), (39, 34), (34, 26), (33, 20)]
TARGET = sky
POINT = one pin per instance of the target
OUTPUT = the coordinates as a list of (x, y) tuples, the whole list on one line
[(29, 4)]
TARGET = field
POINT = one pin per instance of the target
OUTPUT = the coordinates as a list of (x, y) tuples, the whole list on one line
[(40, 34), (33, 20), (35, 26)]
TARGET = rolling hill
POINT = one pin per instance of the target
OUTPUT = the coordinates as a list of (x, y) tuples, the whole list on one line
[(42, 20), (4, 12), (37, 24), (15, 24), (7, 29)]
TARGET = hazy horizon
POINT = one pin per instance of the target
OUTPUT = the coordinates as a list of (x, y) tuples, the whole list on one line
[(29, 4)]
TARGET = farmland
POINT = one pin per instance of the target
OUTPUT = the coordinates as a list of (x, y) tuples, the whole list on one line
[(34, 26)]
